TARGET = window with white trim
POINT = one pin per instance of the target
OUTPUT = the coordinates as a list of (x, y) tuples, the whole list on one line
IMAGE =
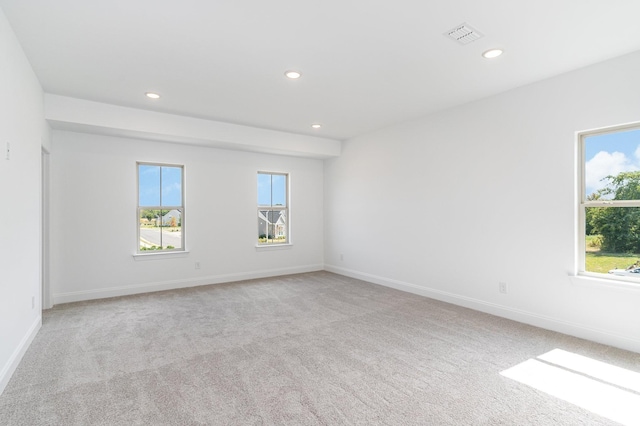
[(160, 207), (609, 211), (273, 208)]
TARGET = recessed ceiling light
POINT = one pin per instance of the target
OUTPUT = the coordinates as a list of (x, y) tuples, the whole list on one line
[(152, 95), (492, 53), (293, 74), (316, 125)]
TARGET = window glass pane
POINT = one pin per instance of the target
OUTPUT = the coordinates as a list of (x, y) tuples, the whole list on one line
[(280, 228), (272, 208), (272, 226), (612, 240), (263, 229), (171, 186), (160, 225), (149, 185), (279, 190), (171, 229), (611, 160), (264, 189), (150, 236)]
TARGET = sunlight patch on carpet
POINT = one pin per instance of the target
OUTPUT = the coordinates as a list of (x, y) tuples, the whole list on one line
[(601, 388)]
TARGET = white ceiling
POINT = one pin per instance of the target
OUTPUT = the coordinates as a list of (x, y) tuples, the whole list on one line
[(366, 64)]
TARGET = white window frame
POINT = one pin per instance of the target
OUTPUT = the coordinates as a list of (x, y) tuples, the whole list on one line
[(180, 208), (286, 208), (583, 203)]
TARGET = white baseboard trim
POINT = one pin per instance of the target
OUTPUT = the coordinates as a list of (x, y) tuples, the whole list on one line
[(10, 367), (548, 323), (115, 291)]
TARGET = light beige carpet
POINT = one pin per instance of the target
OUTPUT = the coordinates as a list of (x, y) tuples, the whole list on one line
[(309, 349)]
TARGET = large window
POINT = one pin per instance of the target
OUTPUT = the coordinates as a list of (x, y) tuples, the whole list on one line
[(160, 208), (610, 202), (273, 212)]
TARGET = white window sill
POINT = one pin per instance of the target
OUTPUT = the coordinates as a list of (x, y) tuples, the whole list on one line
[(159, 255), (268, 247), (585, 279)]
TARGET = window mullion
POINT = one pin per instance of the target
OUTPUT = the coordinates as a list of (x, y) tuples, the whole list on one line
[(612, 203)]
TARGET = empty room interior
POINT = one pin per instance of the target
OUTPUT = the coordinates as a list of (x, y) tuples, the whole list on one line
[(338, 212)]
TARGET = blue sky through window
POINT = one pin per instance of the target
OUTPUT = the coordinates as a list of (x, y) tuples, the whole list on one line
[(171, 186), (272, 189), (608, 155), (150, 190)]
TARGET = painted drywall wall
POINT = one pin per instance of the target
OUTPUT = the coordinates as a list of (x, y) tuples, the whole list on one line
[(22, 126), (93, 216), (453, 204)]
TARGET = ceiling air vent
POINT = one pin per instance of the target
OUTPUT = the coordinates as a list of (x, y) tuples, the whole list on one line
[(463, 34)]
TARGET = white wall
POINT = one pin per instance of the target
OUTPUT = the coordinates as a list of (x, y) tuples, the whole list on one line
[(450, 205), (93, 216), (22, 125)]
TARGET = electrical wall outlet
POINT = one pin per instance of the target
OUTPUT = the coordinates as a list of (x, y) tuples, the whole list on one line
[(502, 287), (197, 265)]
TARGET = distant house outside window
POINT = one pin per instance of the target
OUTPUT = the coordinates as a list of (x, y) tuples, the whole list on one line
[(273, 208), (609, 209), (160, 207)]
